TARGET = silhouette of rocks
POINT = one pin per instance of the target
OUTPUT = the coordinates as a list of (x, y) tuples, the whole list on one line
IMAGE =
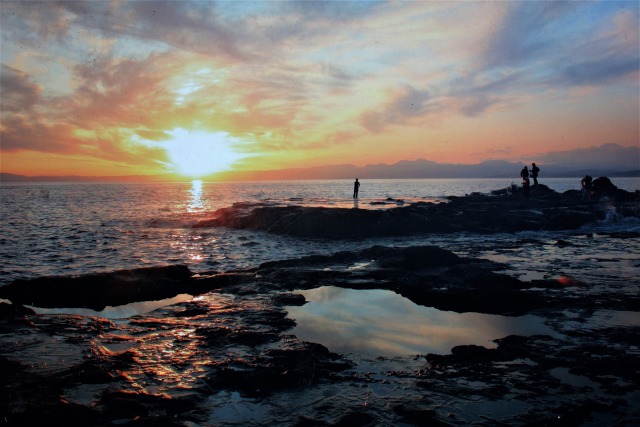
[(96, 291), (427, 275), (544, 209)]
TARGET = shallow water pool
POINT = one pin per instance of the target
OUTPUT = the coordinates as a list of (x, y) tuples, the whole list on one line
[(383, 323)]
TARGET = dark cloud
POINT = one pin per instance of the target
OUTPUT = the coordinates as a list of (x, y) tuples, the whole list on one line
[(21, 128), (607, 156), (27, 23), (477, 94), (21, 132), (408, 104), (547, 35), (336, 11), (526, 32), (600, 71), (19, 92), (190, 26)]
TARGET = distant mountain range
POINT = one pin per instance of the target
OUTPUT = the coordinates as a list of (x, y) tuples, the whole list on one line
[(609, 160)]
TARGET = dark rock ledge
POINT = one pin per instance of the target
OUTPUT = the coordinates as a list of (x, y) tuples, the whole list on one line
[(427, 275), (544, 209)]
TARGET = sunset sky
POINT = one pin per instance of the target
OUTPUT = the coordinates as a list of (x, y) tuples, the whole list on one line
[(142, 87)]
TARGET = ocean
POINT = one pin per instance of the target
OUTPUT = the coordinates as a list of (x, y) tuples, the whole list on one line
[(77, 228)]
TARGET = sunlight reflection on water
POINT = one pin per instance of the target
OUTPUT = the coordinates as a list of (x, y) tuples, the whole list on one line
[(380, 322), (196, 203)]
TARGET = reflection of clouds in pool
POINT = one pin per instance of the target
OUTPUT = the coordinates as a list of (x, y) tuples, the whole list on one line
[(118, 312), (381, 322), (608, 318)]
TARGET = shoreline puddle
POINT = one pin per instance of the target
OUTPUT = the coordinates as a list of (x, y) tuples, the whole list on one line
[(383, 323), (118, 312)]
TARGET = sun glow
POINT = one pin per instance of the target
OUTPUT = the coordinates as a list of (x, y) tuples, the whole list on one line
[(199, 153)]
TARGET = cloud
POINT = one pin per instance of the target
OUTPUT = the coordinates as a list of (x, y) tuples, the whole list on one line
[(87, 123), (21, 128), (477, 94), (19, 92), (525, 32), (22, 132), (408, 103), (600, 71), (608, 56), (606, 156), (559, 44)]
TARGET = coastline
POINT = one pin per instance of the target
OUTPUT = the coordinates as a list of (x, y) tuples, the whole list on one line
[(232, 345)]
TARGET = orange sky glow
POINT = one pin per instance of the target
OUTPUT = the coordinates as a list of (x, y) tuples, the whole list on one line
[(195, 88)]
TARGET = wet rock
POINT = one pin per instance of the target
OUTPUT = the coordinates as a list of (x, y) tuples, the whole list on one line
[(427, 275), (420, 416), (278, 369), (123, 408), (96, 291), (418, 257), (356, 418), (545, 209), (570, 219), (12, 315), (603, 188), (288, 299), (621, 234)]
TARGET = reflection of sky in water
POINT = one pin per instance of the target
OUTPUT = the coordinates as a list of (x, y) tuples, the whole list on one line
[(118, 312), (608, 318), (380, 322)]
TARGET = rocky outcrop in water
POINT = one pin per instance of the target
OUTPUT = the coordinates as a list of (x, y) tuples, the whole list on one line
[(544, 209), (96, 291)]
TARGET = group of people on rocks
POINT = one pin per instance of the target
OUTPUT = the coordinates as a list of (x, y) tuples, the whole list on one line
[(525, 174)]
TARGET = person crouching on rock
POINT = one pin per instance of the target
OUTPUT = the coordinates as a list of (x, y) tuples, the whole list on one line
[(524, 173), (356, 187)]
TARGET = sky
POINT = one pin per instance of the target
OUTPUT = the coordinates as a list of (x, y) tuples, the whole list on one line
[(111, 88)]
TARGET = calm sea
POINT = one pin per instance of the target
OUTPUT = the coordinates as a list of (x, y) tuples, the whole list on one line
[(77, 228)]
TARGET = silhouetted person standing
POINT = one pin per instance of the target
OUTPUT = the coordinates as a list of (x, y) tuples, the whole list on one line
[(524, 173), (534, 173), (356, 187)]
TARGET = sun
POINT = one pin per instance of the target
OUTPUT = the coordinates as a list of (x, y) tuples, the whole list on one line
[(199, 153)]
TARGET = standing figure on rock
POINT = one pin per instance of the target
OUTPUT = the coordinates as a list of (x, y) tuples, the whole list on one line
[(524, 173), (356, 187), (534, 173)]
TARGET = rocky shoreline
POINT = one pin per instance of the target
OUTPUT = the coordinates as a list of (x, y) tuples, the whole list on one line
[(544, 209), (227, 356)]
